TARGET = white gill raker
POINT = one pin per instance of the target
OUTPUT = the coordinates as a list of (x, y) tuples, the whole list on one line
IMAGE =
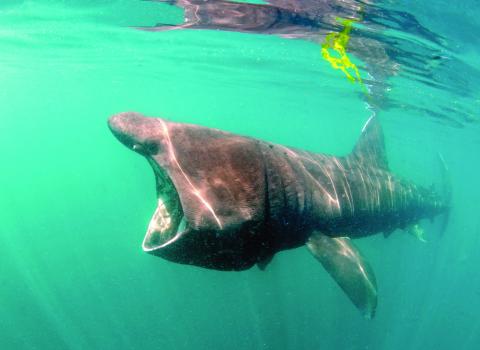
[(154, 226), (195, 191), (161, 219)]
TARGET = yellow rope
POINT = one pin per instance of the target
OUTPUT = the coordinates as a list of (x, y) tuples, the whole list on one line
[(336, 43)]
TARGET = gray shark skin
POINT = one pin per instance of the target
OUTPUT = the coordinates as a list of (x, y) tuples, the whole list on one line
[(228, 202)]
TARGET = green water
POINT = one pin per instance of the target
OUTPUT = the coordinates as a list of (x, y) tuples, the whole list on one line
[(74, 203)]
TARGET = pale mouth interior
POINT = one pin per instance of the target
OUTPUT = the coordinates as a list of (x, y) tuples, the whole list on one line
[(168, 222)]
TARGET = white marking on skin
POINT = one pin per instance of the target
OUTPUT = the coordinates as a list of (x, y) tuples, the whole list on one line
[(367, 122), (331, 199), (289, 151), (390, 188), (370, 192), (195, 191), (335, 200), (324, 190), (352, 255), (378, 187), (364, 185), (334, 190), (346, 185)]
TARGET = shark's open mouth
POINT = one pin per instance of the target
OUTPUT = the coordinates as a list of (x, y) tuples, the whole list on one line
[(168, 221)]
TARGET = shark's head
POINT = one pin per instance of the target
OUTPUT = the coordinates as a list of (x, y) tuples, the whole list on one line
[(210, 191)]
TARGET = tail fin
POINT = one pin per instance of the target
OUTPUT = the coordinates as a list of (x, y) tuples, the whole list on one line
[(447, 193)]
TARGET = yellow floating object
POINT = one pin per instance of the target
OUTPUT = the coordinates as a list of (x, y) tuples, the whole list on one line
[(337, 42)]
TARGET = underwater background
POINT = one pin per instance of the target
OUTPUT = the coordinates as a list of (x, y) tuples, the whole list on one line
[(74, 203)]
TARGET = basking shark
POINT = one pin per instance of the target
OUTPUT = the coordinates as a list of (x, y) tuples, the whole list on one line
[(229, 202)]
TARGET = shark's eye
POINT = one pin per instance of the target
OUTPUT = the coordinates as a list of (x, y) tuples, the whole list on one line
[(147, 148), (151, 147)]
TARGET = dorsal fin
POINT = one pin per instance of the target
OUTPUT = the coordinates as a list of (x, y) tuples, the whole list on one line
[(370, 147)]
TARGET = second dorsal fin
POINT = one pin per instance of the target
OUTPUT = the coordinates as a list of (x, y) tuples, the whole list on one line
[(370, 147)]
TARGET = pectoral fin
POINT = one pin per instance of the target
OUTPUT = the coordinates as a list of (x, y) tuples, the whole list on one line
[(349, 269)]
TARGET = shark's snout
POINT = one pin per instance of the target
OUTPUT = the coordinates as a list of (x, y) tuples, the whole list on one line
[(146, 136), (122, 125), (136, 131)]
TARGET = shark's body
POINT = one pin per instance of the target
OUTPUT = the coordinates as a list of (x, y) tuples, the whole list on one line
[(228, 202)]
